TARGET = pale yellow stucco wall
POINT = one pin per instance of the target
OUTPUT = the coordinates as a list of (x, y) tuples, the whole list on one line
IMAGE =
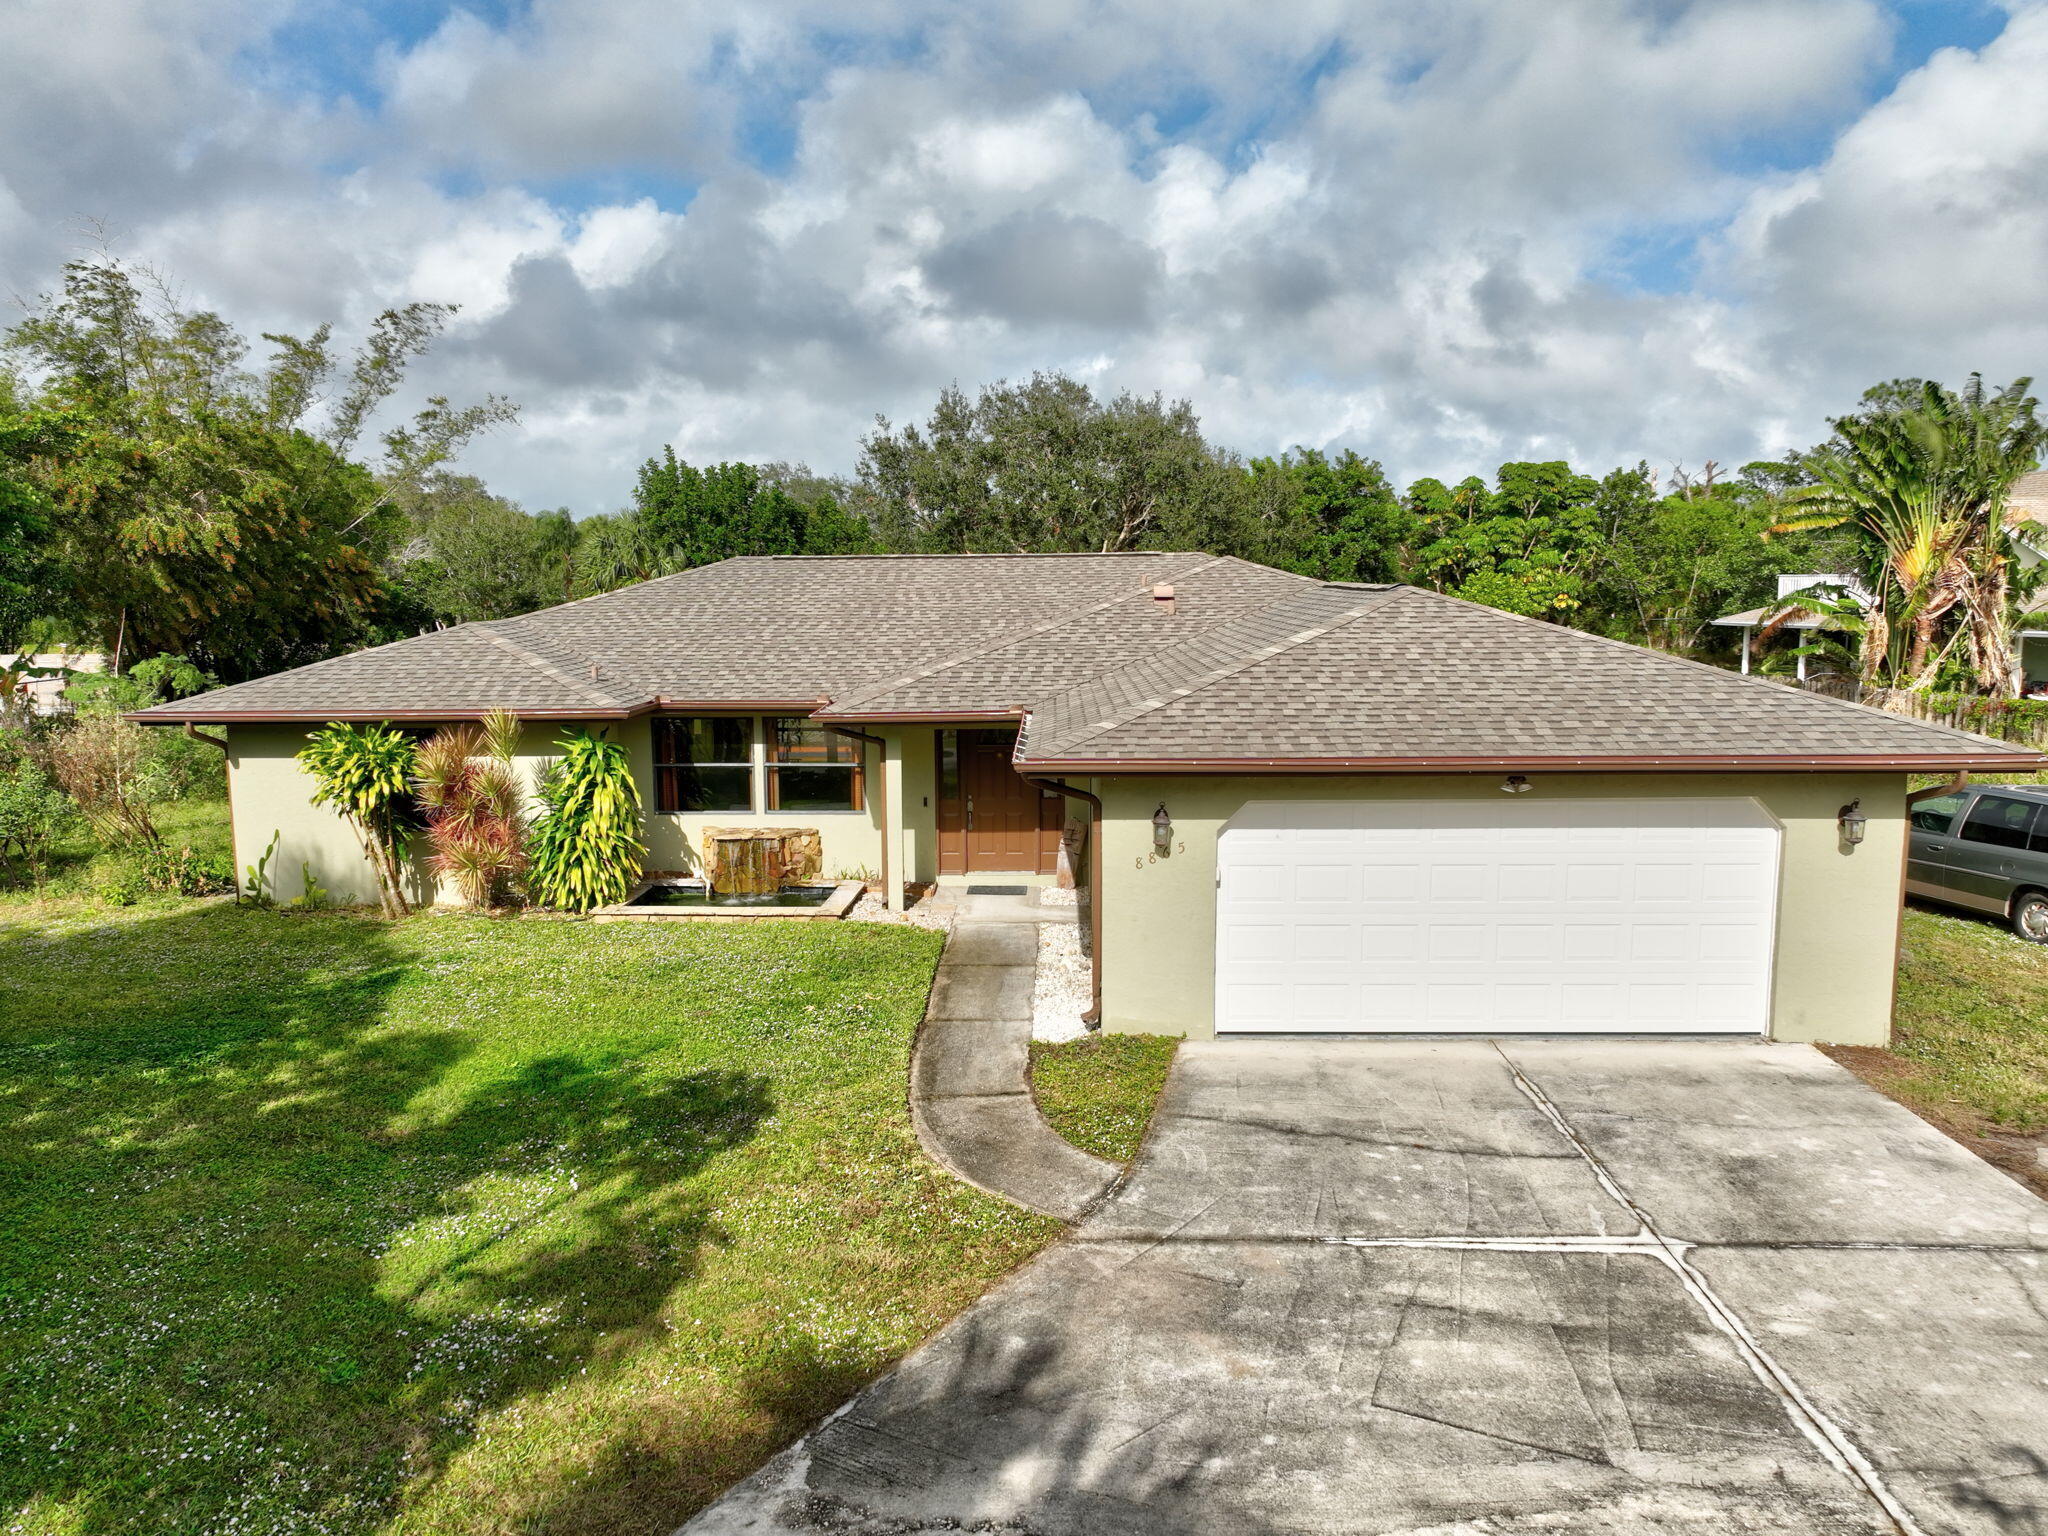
[(269, 794), (1838, 911), (851, 841)]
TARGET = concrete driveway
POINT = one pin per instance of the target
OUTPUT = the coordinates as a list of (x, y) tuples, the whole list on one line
[(1436, 1287)]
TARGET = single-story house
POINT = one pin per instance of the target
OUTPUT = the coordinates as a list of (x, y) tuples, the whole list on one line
[(1787, 614), (1308, 806)]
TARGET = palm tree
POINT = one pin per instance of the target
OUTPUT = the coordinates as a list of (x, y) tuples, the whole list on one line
[(1926, 483)]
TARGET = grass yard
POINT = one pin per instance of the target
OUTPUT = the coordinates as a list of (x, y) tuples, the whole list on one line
[(1099, 1092), (319, 1224), (1970, 1049)]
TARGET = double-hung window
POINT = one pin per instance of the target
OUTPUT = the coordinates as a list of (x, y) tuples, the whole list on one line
[(812, 769), (703, 763)]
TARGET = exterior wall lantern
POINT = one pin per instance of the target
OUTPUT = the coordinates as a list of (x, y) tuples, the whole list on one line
[(1162, 831), (1852, 821)]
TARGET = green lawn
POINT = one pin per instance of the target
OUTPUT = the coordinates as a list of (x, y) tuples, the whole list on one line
[(318, 1224), (1099, 1092), (1970, 1046)]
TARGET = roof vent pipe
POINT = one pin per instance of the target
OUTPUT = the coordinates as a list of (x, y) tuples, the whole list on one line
[(1162, 594)]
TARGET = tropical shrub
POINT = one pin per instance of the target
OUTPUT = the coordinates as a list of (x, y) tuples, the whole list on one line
[(34, 813), (365, 773), (585, 850), (111, 770), (475, 812), (182, 872)]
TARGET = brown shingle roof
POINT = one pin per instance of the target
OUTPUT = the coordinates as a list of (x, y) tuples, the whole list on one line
[(1253, 666), (1404, 674)]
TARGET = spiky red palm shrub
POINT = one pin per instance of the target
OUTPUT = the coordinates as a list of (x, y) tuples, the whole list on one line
[(474, 808)]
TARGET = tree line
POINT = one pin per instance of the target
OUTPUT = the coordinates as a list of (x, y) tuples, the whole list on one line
[(161, 495)]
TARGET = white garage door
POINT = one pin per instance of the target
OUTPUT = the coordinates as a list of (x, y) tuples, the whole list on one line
[(1521, 915)]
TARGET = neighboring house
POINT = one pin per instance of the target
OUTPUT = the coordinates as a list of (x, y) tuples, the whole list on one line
[(1783, 615), (1302, 825), (2026, 521), (48, 674)]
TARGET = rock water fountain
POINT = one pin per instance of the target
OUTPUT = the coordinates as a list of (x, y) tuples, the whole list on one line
[(749, 872)]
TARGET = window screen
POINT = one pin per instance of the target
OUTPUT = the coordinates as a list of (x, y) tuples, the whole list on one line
[(812, 769), (2001, 822), (703, 763)]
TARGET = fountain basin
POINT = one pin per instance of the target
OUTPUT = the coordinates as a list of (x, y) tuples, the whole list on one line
[(668, 901)]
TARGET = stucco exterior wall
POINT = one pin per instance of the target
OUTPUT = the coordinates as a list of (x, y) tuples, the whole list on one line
[(1838, 911), (269, 794), (850, 840)]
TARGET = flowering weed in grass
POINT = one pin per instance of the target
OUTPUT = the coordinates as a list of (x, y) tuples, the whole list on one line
[(320, 1224)]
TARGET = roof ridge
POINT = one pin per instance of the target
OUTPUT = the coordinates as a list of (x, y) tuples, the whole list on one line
[(488, 629), (1013, 637), (1739, 678), (1380, 597)]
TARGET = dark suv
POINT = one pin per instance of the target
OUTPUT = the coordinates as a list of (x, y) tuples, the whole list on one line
[(1985, 848)]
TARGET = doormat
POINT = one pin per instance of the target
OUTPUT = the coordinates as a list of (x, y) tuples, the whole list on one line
[(997, 890)]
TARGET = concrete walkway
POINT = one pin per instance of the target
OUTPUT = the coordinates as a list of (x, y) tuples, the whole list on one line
[(970, 1089), (1443, 1288)]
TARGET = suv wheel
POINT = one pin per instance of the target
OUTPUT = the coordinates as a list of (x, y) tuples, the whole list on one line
[(2030, 917)]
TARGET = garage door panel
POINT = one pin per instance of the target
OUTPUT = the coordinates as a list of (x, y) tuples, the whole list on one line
[(1594, 916), (1383, 883), (1528, 882)]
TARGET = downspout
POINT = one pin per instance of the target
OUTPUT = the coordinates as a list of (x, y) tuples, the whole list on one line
[(881, 796), (1093, 1017), (1954, 786), (196, 734)]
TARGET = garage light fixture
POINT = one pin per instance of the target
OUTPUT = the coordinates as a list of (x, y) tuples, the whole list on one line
[(1852, 821), (1162, 831), (1515, 784)]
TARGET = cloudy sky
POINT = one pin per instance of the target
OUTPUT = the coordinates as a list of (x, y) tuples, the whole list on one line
[(1443, 232)]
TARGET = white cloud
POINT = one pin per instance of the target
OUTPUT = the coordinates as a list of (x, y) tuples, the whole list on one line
[(1399, 225)]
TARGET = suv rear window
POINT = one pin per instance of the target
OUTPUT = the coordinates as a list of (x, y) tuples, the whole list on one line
[(1936, 814), (1999, 821)]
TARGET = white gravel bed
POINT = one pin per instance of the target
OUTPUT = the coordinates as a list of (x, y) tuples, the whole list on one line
[(872, 909), (1055, 896), (1060, 994)]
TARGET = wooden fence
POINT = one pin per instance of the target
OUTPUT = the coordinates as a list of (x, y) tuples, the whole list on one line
[(2022, 720)]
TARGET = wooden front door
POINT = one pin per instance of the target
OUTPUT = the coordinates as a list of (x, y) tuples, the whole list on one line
[(989, 818)]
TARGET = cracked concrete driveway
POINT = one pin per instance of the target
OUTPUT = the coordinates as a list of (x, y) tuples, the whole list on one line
[(1461, 1286)]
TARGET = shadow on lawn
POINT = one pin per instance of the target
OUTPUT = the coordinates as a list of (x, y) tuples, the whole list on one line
[(243, 1287)]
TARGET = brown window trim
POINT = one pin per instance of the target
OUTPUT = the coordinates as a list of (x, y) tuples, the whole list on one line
[(772, 791), (668, 771)]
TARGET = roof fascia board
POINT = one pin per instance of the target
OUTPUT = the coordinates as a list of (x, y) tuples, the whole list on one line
[(1715, 763)]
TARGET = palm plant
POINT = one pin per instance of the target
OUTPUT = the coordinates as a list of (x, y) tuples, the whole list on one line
[(469, 791), (586, 845), (1926, 486), (363, 772)]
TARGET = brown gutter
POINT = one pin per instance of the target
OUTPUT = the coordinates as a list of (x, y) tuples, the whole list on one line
[(881, 799), (2008, 762), (919, 716), (1093, 1017), (212, 741), (158, 716), (225, 717)]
